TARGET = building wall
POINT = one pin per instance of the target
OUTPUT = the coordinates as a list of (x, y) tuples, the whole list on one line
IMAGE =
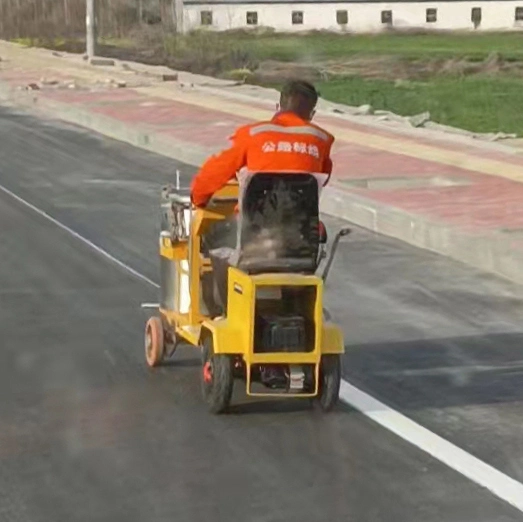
[(362, 17)]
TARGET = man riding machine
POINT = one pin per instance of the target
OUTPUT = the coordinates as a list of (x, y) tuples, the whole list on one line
[(238, 263)]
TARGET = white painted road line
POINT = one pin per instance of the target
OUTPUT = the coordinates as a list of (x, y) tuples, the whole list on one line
[(479, 472), (501, 485), (84, 240)]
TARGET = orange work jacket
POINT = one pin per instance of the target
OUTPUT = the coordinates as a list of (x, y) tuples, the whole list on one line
[(284, 144)]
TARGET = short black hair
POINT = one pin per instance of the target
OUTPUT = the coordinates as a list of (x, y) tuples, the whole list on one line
[(300, 89)]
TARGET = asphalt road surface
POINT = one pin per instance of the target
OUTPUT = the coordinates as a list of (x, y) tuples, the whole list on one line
[(88, 433)]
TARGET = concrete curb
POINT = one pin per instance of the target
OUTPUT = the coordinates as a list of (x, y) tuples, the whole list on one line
[(491, 253)]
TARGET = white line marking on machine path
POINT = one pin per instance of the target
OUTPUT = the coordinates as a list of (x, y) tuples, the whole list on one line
[(479, 472), (84, 240)]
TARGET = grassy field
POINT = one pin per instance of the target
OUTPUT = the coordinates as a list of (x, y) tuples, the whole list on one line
[(327, 46), (474, 103), (470, 87), (472, 80)]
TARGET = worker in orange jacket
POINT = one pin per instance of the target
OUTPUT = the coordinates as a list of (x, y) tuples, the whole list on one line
[(289, 142)]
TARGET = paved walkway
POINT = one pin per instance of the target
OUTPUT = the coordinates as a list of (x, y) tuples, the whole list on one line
[(456, 196)]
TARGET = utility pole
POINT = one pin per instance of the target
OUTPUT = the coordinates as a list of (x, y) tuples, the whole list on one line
[(177, 7), (140, 12), (66, 14), (90, 26)]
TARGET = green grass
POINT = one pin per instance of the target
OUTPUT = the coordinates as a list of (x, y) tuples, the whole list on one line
[(479, 104), (39, 42), (124, 43), (321, 46)]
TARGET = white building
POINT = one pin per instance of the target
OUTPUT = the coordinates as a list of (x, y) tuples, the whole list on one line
[(354, 16)]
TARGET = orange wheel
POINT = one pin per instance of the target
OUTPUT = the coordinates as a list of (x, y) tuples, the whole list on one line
[(154, 342)]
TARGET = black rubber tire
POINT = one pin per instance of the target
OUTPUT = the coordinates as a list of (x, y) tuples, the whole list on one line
[(217, 393), (330, 380)]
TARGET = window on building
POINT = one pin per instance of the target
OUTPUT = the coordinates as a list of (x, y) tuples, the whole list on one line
[(206, 17), (386, 17), (519, 14), (297, 17), (252, 18), (475, 16), (342, 17), (431, 15)]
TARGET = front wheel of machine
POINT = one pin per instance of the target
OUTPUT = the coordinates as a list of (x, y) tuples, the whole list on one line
[(330, 380), (154, 342), (217, 378)]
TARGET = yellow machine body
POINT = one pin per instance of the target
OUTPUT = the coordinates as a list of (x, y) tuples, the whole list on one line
[(183, 311)]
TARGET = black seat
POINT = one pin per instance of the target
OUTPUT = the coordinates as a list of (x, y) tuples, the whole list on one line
[(278, 228), (279, 224)]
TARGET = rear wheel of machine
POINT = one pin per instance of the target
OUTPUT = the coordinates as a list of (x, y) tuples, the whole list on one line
[(154, 342), (217, 378), (330, 380)]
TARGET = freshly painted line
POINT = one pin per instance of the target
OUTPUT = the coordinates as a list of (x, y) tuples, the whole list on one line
[(501, 485), (84, 240)]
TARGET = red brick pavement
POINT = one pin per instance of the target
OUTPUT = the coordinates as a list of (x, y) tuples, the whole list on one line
[(479, 202)]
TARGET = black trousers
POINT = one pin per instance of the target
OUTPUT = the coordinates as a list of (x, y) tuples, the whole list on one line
[(222, 236)]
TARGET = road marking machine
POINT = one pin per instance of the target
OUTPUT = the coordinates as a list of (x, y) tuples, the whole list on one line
[(256, 315)]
